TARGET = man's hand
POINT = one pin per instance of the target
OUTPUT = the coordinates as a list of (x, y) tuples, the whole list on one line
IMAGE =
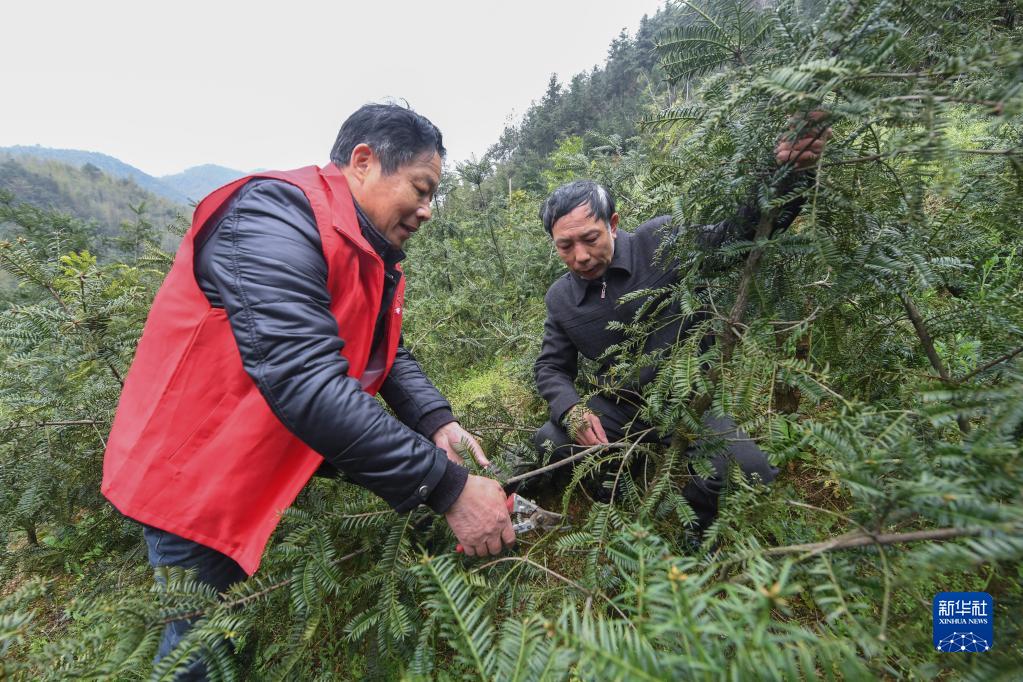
[(805, 150), (584, 427), (451, 435), (479, 517)]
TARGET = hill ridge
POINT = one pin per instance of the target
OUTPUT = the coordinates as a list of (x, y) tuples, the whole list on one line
[(184, 187)]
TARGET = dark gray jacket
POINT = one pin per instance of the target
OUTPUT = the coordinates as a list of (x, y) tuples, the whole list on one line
[(578, 316), (261, 259)]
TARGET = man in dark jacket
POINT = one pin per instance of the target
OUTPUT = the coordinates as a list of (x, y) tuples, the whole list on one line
[(285, 304), (604, 265)]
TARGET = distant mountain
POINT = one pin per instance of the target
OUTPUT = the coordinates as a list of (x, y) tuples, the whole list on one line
[(86, 192), (198, 181), (108, 164), (186, 187)]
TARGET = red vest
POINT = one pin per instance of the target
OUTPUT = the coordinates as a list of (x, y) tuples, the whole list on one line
[(194, 448)]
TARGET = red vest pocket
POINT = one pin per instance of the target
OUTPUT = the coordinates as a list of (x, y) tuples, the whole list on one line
[(204, 389)]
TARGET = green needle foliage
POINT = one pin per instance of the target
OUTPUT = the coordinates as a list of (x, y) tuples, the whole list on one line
[(874, 349)]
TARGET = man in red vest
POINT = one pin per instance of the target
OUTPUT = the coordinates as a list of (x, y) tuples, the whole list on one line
[(278, 322)]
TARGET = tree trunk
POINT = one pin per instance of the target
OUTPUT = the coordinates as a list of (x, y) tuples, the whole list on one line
[(30, 530)]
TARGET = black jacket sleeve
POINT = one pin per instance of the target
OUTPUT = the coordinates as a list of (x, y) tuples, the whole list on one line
[(556, 367), (264, 263), (413, 397), (743, 225)]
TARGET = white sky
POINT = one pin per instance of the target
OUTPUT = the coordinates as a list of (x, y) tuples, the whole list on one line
[(168, 85)]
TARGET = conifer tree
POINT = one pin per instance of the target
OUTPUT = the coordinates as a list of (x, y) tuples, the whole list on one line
[(874, 349)]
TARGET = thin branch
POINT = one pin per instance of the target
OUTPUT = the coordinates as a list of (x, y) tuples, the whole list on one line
[(792, 324), (862, 539), (994, 104), (99, 434), (730, 337), (242, 601), (907, 75), (567, 581), (621, 467), (575, 458), (858, 159), (985, 367), (702, 13), (991, 152), (888, 155), (928, 344), (65, 422), (367, 515), (500, 427)]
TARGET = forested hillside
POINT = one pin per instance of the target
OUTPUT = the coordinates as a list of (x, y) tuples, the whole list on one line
[(185, 187), (97, 211), (604, 106), (874, 349), (109, 165), (85, 192)]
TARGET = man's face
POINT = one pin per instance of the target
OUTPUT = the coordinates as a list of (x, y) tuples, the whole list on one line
[(584, 243), (397, 203)]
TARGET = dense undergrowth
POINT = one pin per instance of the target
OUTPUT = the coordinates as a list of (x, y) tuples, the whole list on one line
[(873, 350)]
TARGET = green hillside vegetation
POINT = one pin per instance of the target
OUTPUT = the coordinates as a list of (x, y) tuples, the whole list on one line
[(108, 164), (108, 215), (874, 350), (85, 192), (185, 187)]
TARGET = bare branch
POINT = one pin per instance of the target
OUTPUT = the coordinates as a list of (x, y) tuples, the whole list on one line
[(986, 366), (928, 344), (862, 539), (575, 458), (40, 425)]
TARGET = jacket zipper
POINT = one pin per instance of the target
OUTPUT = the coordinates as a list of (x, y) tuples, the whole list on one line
[(603, 287)]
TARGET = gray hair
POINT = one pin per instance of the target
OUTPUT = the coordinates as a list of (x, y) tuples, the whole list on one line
[(571, 196)]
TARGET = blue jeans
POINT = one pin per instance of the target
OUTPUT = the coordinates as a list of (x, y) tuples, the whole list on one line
[(210, 566)]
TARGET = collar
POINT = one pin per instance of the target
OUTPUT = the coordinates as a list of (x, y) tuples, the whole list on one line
[(389, 253), (621, 260)]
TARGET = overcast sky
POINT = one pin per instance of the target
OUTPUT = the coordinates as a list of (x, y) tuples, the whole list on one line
[(164, 86)]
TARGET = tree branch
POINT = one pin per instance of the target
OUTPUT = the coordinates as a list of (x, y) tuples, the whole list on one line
[(985, 367), (862, 539), (887, 155), (925, 337), (928, 343), (66, 422), (575, 458), (997, 106), (242, 601), (567, 581), (730, 337)]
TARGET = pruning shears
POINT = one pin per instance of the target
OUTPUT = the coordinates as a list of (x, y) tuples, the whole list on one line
[(527, 516)]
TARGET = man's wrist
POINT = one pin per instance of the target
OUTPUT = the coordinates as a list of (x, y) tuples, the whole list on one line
[(571, 414), (561, 404), (576, 422), (434, 421), (447, 490)]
